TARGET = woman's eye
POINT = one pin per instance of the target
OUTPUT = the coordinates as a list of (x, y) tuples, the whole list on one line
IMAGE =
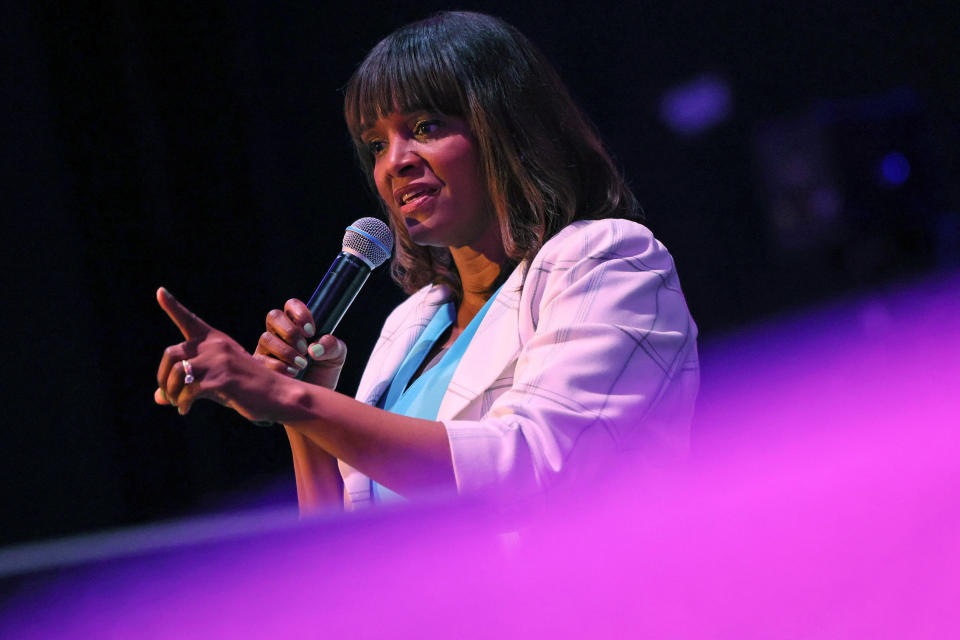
[(426, 127), (375, 147)]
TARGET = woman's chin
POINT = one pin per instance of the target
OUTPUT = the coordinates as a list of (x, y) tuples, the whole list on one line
[(422, 234)]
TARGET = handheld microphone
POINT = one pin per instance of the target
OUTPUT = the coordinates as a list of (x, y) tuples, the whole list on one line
[(366, 245)]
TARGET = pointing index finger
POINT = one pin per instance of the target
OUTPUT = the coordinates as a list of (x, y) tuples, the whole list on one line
[(189, 324)]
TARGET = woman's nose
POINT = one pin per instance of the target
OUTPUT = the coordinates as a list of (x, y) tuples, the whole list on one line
[(401, 156)]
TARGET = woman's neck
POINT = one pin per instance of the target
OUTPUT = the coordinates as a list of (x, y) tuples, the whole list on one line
[(479, 268)]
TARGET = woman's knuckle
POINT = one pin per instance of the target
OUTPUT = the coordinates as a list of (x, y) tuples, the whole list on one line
[(273, 316)]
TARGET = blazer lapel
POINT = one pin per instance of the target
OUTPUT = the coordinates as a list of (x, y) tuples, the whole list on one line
[(400, 331), (495, 344), (396, 340)]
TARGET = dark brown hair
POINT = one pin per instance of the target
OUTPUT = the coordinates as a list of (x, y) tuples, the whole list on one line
[(543, 163)]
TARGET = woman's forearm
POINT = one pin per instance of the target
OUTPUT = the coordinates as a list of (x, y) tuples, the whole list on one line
[(407, 455), (319, 485)]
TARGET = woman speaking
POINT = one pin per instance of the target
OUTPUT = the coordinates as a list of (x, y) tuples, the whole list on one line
[(545, 336)]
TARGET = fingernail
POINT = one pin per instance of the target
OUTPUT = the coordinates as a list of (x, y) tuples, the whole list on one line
[(309, 329), (293, 371), (302, 346), (300, 361), (316, 350)]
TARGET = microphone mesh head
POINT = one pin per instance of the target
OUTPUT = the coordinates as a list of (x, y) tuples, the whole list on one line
[(370, 240)]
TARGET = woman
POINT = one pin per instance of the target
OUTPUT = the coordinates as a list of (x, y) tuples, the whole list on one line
[(545, 330)]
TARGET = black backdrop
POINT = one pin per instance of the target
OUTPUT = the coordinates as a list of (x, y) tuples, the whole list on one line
[(201, 146)]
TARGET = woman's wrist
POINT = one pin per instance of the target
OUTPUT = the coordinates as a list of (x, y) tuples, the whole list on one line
[(296, 401)]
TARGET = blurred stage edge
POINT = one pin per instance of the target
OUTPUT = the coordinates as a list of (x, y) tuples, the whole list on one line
[(823, 502)]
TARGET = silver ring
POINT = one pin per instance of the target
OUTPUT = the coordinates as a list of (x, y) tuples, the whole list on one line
[(187, 369)]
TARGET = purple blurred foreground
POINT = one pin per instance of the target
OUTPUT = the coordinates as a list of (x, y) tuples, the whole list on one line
[(824, 502)]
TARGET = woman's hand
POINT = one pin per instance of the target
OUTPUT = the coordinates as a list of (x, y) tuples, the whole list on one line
[(221, 370), (283, 346)]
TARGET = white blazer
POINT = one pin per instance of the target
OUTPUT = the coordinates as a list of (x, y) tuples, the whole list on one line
[(586, 353)]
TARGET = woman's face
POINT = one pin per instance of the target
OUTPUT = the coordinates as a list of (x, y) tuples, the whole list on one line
[(427, 170)]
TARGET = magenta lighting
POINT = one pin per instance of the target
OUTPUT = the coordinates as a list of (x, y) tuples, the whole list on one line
[(823, 502)]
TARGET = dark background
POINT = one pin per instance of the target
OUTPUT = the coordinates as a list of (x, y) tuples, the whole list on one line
[(201, 146)]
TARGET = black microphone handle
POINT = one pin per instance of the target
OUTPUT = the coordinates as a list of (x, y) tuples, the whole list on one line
[(335, 294)]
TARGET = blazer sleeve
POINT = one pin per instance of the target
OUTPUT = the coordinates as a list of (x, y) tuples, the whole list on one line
[(607, 371)]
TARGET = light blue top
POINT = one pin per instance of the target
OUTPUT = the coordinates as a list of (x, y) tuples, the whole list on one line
[(422, 398)]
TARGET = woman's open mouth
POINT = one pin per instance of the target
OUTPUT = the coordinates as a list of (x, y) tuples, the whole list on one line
[(416, 198)]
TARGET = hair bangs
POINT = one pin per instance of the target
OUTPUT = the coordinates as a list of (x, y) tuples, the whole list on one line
[(403, 74)]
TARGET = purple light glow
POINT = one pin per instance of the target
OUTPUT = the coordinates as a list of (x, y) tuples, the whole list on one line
[(696, 106), (824, 503), (894, 169)]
